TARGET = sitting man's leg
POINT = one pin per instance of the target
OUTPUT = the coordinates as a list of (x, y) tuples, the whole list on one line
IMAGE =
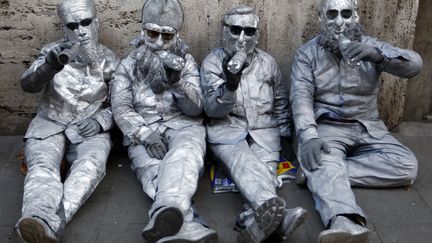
[(88, 167), (292, 217), (42, 212), (257, 183), (331, 189), (171, 213), (145, 167), (381, 163)]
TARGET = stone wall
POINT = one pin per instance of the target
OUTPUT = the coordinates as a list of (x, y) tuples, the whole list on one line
[(25, 25), (419, 93)]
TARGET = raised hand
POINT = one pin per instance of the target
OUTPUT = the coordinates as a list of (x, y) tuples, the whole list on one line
[(52, 56)]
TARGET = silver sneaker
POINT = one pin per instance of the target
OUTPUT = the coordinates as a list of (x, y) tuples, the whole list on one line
[(300, 177), (166, 221), (267, 219), (343, 229), (292, 219), (35, 230), (192, 232)]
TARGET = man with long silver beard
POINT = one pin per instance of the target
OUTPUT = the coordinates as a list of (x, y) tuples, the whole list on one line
[(247, 101), (342, 141), (72, 123), (157, 102)]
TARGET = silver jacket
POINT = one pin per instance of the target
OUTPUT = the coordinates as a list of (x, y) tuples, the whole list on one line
[(75, 93), (259, 107), (323, 85), (138, 111)]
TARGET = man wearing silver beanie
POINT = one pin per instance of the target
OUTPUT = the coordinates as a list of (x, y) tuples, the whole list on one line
[(157, 103), (72, 123)]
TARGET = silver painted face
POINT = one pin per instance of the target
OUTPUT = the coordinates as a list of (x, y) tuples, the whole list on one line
[(240, 32), (158, 37), (337, 15), (81, 26)]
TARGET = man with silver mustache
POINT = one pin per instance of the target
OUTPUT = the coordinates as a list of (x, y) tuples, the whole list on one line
[(247, 101), (342, 141), (72, 123), (157, 103)]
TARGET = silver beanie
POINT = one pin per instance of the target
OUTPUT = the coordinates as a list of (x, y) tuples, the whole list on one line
[(163, 13), (66, 7)]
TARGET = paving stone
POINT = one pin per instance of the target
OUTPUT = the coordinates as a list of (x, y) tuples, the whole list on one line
[(7, 234), (393, 206), (427, 196), (119, 232), (10, 202), (127, 203), (404, 233)]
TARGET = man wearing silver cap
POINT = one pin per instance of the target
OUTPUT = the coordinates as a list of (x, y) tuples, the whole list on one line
[(247, 101), (157, 102), (342, 141), (71, 123)]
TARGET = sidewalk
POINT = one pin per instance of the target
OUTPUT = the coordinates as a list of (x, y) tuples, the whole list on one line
[(117, 210)]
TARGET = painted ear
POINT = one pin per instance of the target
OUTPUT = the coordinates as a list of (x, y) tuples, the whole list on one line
[(97, 22), (356, 17)]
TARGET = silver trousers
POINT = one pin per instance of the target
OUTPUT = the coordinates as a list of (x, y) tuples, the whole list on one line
[(173, 180), (251, 167), (356, 159), (45, 196)]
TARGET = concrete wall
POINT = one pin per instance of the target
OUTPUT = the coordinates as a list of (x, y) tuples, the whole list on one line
[(419, 93), (25, 25)]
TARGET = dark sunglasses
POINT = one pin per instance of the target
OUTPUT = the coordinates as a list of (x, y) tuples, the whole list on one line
[(236, 30), (332, 14), (155, 34), (75, 25)]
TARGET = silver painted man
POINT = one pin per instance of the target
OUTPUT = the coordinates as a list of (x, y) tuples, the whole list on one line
[(71, 123), (157, 102), (342, 141), (247, 101)]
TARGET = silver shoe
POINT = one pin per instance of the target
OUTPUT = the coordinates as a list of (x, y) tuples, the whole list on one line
[(300, 177), (343, 229), (267, 219), (292, 219), (192, 232), (166, 221), (35, 230)]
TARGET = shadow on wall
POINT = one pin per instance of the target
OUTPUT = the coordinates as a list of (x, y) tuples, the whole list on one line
[(419, 94)]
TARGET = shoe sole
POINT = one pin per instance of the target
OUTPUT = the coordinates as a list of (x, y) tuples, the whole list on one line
[(299, 220), (30, 230), (338, 236), (165, 222), (267, 219), (209, 238)]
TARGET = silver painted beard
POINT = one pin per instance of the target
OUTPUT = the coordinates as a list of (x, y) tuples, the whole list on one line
[(90, 53), (328, 41)]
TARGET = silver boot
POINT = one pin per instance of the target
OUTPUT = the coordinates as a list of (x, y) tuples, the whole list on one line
[(35, 230), (267, 219), (292, 219), (192, 232), (343, 229), (300, 177), (166, 221)]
